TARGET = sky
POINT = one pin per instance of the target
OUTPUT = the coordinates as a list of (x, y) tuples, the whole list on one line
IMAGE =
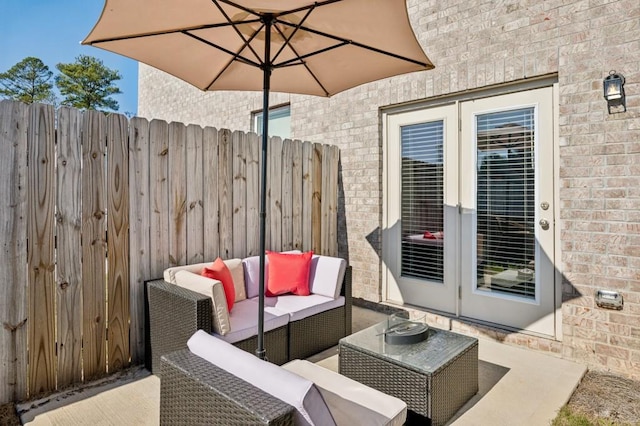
[(52, 30)]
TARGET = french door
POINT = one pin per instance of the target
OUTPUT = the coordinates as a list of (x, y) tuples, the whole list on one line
[(469, 226)]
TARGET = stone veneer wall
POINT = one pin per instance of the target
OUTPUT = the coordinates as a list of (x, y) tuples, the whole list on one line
[(476, 44)]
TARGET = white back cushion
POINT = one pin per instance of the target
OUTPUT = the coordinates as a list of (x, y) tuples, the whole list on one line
[(237, 273), (326, 275), (213, 289), (289, 387), (196, 268)]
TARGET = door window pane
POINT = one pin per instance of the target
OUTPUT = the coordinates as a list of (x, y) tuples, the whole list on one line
[(505, 201), (422, 201)]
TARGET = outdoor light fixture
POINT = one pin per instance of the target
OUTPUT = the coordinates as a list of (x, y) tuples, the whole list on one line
[(613, 85)]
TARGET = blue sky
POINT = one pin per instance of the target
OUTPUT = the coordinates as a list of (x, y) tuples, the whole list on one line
[(52, 31)]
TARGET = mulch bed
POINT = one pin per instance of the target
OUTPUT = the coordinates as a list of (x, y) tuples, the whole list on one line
[(607, 397)]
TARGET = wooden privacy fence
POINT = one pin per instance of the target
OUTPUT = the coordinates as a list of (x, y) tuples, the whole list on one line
[(94, 205)]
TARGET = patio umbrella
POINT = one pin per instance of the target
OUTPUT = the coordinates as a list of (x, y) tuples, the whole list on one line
[(293, 46)]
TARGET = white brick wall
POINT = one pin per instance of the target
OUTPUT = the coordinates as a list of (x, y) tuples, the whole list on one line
[(475, 44)]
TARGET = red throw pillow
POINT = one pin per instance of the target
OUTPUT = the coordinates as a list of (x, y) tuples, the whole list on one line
[(219, 271), (288, 273)]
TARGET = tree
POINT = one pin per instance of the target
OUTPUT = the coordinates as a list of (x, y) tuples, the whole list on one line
[(88, 84), (28, 81)]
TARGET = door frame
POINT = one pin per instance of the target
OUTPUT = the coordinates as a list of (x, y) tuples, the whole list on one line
[(533, 83)]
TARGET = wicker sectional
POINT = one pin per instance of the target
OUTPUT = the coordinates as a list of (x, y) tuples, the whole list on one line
[(175, 313)]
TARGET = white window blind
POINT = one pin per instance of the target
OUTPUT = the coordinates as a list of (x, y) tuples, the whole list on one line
[(505, 202), (422, 201)]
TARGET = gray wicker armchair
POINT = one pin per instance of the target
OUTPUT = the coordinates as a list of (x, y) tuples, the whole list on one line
[(195, 392)]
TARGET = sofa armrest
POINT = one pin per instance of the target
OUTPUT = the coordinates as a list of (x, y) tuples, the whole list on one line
[(175, 313), (348, 299), (194, 391)]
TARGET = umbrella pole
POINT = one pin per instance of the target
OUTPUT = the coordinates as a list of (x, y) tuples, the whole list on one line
[(260, 350)]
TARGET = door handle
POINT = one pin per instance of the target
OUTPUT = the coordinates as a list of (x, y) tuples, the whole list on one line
[(544, 224)]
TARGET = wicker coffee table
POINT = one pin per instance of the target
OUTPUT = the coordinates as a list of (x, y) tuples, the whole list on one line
[(434, 377)]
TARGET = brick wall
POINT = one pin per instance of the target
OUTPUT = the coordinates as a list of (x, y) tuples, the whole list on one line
[(475, 44)]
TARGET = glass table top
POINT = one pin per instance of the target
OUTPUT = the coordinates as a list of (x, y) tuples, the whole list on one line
[(426, 357)]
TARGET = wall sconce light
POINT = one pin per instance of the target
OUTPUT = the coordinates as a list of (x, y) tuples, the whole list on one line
[(613, 85)]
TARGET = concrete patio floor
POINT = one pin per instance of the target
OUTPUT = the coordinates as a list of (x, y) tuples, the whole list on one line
[(517, 387)]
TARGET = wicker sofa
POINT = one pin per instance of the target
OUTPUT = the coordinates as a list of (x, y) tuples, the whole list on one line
[(213, 382), (175, 313)]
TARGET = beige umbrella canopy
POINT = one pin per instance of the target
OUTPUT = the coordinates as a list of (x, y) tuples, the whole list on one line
[(316, 48), (293, 46)]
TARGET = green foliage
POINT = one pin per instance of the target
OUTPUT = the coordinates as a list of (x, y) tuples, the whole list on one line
[(28, 81), (568, 417), (88, 84)]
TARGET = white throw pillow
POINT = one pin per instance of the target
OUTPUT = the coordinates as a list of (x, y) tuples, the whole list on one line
[(213, 289), (289, 387)]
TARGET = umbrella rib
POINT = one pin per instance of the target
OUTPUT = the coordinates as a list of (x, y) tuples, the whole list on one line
[(299, 58), (166, 32), (287, 40), (283, 13), (291, 62), (246, 42), (238, 6), (360, 45), (235, 56)]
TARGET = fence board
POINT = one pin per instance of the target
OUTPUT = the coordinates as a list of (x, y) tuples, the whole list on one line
[(275, 194), (195, 237), (40, 252), (329, 207), (69, 253), (225, 196), (210, 197), (94, 248), (253, 194), (139, 248), (307, 195), (296, 195), (118, 242), (159, 191), (316, 202), (177, 194), (287, 195), (238, 141), (331, 196), (14, 119)]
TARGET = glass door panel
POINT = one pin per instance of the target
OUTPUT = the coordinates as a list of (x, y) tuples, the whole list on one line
[(505, 187), (422, 218), (420, 232), (507, 192)]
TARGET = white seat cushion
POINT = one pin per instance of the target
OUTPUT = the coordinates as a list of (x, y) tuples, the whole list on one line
[(244, 320), (300, 307), (289, 387), (350, 402), (326, 275)]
